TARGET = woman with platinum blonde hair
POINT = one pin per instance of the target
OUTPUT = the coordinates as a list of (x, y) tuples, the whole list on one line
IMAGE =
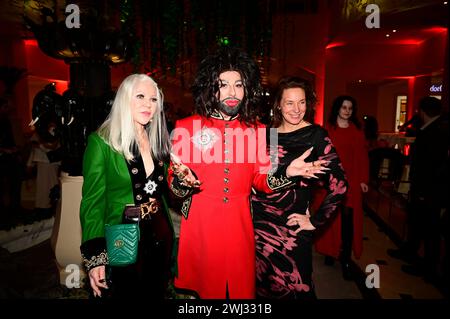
[(118, 129), (125, 166)]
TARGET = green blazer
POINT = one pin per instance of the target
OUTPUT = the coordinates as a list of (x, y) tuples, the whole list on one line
[(106, 188)]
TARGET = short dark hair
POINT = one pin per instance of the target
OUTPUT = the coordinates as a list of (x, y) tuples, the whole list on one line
[(206, 83), (430, 105), (290, 82)]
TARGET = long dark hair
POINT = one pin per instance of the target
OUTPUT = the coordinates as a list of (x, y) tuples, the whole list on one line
[(337, 104), (290, 82), (206, 83)]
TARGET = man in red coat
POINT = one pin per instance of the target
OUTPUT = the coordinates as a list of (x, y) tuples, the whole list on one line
[(225, 147)]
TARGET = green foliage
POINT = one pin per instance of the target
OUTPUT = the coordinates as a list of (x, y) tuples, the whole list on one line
[(177, 33)]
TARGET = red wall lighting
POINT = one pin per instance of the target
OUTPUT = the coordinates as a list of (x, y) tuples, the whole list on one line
[(335, 44), (32, 42)]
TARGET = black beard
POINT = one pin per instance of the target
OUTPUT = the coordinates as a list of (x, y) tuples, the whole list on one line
[(230, 111)]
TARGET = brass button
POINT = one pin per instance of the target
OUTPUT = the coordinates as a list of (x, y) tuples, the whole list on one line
[(225, 142), (134, 170), (160, 163), (227, 161), (225, 199), (137, 185), (226, 151), (226, 170), (160, 178), (225, 134), (226, 190), (138, 196), (226, 180)]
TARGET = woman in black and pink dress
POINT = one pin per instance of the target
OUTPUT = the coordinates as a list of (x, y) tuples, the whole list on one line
[(284, 221)]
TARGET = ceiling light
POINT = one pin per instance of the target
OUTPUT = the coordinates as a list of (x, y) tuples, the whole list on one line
[(394, 30), (388, 35)]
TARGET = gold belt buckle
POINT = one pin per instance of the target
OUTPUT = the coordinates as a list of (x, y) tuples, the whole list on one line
[(151, 207)]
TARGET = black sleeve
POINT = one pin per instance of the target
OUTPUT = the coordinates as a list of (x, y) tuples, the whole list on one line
[(334, 180), (93, 252)]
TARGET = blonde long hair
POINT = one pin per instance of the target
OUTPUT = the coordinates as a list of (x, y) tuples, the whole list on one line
[(118, 130)]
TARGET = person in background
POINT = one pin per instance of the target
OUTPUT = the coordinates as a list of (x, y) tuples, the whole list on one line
[(284, 227), (125, 164), (370, 125), (345, 233), (46, 157), (411, 127), (225, 147), (378, 149), (429, 179)]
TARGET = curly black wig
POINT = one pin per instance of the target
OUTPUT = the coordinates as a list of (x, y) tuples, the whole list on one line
[(206, 83)]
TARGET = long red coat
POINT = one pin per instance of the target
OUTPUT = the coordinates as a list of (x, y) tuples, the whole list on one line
[(217, 244), (352, 150)]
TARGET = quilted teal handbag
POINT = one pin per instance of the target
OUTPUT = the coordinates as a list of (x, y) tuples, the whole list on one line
[(122, 242)]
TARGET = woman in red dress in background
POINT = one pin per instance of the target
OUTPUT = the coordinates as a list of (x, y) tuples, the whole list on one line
[(346, 230)]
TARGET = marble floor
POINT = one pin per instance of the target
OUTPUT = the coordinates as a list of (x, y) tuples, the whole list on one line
[(393, 283)]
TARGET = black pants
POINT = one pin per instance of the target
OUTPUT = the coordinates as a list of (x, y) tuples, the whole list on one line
[(424, 225)]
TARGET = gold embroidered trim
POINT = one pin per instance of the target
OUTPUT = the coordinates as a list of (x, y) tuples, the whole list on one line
[(185, 207), (95, 261), (180, 192), (218, 116), (275, 183)]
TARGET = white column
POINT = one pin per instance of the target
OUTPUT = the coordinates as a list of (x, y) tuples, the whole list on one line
[(66, 237)]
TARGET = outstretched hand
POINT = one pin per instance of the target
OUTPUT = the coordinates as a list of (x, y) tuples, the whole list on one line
[(298, 167)]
